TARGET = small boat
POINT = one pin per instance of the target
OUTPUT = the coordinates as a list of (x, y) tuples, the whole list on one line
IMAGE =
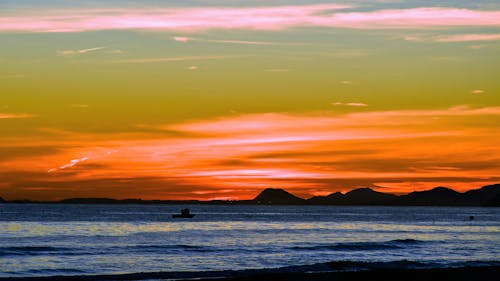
[(184, 214)]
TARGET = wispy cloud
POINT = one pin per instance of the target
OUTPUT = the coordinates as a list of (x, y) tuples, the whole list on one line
[(477, 91), (69, 53), (237, 42), (469, 38), (71, 163), (356, 104), (171, 59), (455, 38), (306, 153), (15, 115), (252, 18)]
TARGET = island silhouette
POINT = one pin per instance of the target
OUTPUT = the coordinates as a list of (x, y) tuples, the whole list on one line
[(487, 196)]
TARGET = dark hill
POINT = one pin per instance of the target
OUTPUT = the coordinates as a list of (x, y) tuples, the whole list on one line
[(368, 196), (331, 199), (277, 196), (438, 196), (1, 200), (486, 196), (360, 196)]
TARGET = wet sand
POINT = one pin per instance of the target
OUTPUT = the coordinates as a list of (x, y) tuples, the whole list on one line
[(477, 273)]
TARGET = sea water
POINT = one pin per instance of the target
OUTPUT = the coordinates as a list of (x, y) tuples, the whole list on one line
[(78, 239)]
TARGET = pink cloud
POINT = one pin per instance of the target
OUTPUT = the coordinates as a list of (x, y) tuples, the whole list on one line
[(455, 38), (356, 104), (182, 39), (469, 37), (254, 18)]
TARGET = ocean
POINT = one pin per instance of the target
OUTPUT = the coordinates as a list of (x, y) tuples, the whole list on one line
[(77, 239)]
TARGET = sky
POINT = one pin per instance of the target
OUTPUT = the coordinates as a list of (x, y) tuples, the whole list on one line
[(221, 99)]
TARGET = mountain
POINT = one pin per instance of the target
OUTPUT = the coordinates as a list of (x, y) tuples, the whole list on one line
[(486, 196), (360, 196), (332, 199), (438, 196), (368, 196), (277, 196)]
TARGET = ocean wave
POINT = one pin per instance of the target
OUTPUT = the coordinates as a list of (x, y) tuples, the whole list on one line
[(66, 251), (361, 246), (29, 250)]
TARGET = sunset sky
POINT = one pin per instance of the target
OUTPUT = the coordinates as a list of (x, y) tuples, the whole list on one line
[(221, 99)]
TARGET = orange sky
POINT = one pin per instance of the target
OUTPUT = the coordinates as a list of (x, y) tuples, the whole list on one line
[(221, 99), (236, 156)]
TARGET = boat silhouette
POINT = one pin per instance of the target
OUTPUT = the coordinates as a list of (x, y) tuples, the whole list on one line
[(184, 214)]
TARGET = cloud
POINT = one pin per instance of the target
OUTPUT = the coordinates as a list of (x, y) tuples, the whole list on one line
[(469, 38), (70, 164), (15, 115), (455, 38), (356, 104), (171, 59), (182, 39), (243, 153), (237, 42), (477, 92), (69, 53), (249, 18)]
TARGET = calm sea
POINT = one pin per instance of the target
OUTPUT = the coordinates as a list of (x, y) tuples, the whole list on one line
[(45, 240)]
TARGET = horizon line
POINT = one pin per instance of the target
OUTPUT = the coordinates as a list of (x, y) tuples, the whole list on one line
[(240, 200)]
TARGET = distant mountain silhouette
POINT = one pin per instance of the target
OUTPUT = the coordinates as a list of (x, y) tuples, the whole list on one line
[(486, 196), (333, 198), (359, 196), (440, 196), (367, 196), (277, 196)]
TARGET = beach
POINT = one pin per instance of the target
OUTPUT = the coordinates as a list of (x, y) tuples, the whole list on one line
[(461, 273)]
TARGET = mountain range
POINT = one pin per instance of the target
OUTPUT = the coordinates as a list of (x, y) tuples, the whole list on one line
[(439, 196)]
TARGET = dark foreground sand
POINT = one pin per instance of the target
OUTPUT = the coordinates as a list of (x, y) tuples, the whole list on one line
[(444, 274)]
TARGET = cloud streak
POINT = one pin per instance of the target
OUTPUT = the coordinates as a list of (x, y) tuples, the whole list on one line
[(355, 104), (69, 53), (15, 115), (250, 18), (171, 59), (237, 42), (455, 38), (306, 153)]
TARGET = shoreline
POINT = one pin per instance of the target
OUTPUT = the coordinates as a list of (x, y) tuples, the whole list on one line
[(321, 272)]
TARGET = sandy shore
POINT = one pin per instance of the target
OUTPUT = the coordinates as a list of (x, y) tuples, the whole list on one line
[(477, 273), (443, 274)]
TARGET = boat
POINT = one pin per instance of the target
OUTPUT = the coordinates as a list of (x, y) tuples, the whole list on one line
[(184, 214)]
